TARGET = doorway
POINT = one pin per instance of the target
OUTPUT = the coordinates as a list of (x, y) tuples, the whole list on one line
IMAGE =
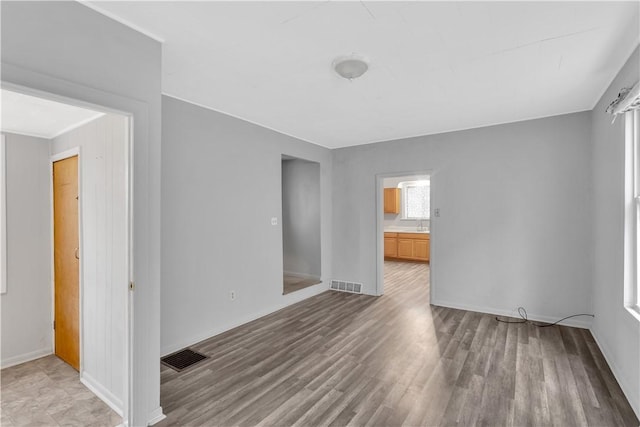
[(301, 249), (404, 232), (66, 262), (85, 235)]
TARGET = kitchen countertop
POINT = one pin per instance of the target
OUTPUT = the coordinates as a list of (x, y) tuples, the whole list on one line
[(404, 230)]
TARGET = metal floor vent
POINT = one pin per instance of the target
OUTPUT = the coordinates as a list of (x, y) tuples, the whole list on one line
[(342, 286), (183, 359)]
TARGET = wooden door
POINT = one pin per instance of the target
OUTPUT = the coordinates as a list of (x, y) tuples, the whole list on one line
[(66, 261)]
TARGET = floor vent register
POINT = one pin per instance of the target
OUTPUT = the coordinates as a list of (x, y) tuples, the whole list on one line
[(183, 359), (343, 286)]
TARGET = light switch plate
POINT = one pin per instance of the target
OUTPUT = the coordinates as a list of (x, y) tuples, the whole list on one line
[(274, 220)]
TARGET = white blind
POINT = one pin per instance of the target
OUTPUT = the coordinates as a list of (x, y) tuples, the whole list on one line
[(416, 202)]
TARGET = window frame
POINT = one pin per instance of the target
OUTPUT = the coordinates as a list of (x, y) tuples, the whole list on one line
[(632, 212), (633, 132), (3, 215), (404, 186)]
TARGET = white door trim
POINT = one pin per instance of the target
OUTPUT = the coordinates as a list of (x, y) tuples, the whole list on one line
[(143, 382), (3, 215), (128, 336), (379, 189)]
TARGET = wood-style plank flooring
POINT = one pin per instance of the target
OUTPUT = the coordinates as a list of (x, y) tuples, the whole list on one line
[(48, 392), (292, 283), (341, 359)]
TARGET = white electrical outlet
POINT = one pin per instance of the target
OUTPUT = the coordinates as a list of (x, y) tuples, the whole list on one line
[(232, 295), (274, 220)]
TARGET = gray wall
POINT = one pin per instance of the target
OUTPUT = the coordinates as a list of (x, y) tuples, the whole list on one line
[(615, 329), (216, 231), (514, 228), (103, 255), (301, 217), (67, 49), (26, 307)]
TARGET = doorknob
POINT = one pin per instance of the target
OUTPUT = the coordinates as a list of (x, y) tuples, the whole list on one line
[(77, 257)]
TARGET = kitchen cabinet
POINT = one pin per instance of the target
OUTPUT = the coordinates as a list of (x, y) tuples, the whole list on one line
[(392, 200), (407, 246), (390, 245), (421, 249)]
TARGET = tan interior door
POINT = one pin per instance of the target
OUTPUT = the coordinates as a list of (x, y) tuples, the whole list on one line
[(66, 260)]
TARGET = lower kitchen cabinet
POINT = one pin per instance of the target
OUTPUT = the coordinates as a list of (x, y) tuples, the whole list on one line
[(390, 245), (407, 246), (421, 249)]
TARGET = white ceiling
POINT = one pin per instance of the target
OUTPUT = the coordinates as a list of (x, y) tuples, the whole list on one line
[(33, 116), (434, 66)]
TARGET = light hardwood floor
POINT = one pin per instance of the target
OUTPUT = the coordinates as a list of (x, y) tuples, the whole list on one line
[(48, 392), (341, 359)]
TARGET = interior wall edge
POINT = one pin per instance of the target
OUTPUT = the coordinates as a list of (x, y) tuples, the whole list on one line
[(46, 46), (104, 394), (156, 416), (304, 294), (299, 274), (24, 358), (234, 250), (573, 322), (634, 401)]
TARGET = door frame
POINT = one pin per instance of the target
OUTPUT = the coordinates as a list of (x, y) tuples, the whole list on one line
[(75, 151), (128, 380), (379, 230)]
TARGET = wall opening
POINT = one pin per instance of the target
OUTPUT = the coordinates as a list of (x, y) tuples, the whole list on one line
[(43, 131), (403, 232), (300, 224)]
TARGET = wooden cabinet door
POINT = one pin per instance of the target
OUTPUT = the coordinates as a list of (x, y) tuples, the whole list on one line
[(392, 200), (429, 250), (390, 247), (405, 248), (421, 250)]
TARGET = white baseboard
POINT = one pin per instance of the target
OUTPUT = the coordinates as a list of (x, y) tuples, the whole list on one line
[(156, 416), (576, 322), (24, 358), (99, 390), (617, 373), (288, 300)]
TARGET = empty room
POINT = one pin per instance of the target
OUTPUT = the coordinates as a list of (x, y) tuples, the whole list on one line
[(313, 213)]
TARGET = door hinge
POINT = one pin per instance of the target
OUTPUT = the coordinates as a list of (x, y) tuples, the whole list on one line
[(54, 325), (132, 286)]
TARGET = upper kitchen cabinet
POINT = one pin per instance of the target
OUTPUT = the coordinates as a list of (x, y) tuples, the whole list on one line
[(392, 200)]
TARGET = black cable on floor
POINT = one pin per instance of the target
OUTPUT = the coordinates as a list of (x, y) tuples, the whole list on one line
[(523, 313)]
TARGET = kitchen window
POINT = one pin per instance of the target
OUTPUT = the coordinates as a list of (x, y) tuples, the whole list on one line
[(415, 200)]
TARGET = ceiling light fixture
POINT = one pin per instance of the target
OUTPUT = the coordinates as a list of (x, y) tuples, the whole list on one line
[(351, 66)]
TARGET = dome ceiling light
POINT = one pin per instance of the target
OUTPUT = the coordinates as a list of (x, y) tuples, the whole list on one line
[(350, 67)]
